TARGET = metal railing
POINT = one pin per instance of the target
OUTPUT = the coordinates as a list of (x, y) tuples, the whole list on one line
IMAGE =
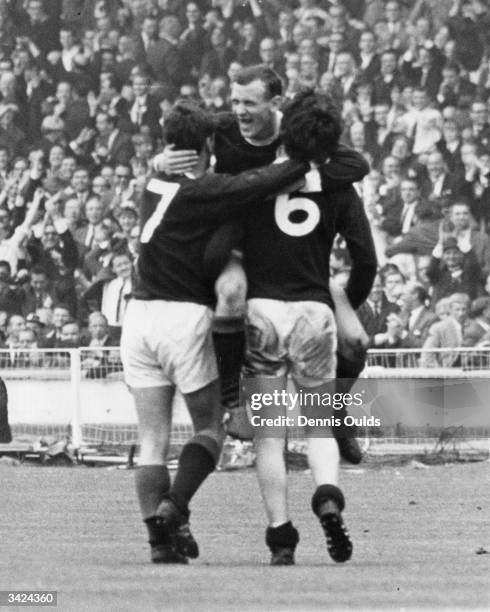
[(80, 393)]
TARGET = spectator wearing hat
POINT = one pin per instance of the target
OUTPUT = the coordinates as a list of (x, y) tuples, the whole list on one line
[(448, 333), (452, 270), (477, 332), (36, 325)]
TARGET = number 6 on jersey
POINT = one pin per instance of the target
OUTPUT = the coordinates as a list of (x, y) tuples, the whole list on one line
[(285, 207)]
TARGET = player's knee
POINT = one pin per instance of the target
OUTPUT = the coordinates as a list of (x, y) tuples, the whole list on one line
[(231, 298), (231, 291)]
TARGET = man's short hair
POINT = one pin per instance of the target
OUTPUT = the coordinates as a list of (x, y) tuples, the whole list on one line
[(188, 126), (38, 269), (311, 126), (270, 79)]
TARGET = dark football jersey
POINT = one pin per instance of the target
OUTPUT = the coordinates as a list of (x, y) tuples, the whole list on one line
[(289, 239), (233, 153), (178, 217)]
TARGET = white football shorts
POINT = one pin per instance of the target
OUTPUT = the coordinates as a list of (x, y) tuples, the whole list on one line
[(168, 343)]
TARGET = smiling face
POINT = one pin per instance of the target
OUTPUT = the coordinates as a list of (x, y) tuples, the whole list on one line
[(122, 266), (255, 111)]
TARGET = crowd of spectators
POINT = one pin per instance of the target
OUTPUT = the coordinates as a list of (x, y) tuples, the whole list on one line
[(85, 88)]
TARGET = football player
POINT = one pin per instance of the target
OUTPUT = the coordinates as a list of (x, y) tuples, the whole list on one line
[(166, 340), (291, 326)]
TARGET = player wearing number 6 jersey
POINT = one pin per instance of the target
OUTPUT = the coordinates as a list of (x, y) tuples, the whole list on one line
[(291, 326), (166, 340)]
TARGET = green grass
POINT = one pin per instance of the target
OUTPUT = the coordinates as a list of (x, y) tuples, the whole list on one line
[(415, 533)]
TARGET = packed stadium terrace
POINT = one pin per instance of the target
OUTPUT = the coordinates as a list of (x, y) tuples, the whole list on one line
[(83, 96)]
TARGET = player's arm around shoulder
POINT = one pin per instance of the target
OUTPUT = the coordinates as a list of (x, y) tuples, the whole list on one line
[(226, 194), (344, 167)]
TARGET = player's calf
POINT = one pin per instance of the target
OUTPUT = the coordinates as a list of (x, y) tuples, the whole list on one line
[(327, 503)]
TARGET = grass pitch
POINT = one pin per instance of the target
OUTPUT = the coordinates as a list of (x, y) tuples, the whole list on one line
[(416, 534)]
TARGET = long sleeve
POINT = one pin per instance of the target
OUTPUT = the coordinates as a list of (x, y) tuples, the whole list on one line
[(354, 227), (344, 168), (223, 196)]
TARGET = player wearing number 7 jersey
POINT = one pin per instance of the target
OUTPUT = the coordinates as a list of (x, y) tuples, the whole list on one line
[(166, 340), (291, 326)]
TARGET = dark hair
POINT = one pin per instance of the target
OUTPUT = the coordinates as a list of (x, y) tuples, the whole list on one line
[(270, 79), (421, 292), (311, 126), (114, 81), (37, 269), (188, 126)]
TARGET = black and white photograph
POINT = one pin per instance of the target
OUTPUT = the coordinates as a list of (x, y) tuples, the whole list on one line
[(245, 305)]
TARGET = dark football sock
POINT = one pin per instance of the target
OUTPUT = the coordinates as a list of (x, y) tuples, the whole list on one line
[(229, 345), (326, 493), (348, 371), (157, 531), (197, 460), (152, 485), (284, 536)]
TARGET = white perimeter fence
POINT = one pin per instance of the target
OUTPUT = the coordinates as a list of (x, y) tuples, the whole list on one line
[(80, 393)]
